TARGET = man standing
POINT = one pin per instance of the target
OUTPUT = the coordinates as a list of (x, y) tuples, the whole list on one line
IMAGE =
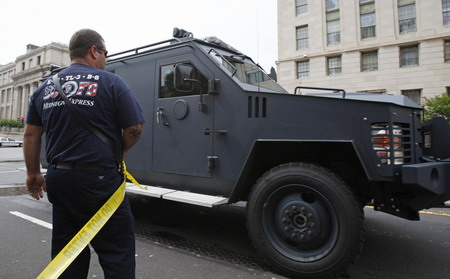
[(82, 172)]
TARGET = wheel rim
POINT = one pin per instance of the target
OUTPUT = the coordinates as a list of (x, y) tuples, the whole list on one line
[(300, 223)]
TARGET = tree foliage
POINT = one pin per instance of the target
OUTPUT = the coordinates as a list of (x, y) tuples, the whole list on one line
[(11, 123), (437, 106)]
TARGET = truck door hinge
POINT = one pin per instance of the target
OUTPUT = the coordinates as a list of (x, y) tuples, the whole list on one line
[(212, 163)]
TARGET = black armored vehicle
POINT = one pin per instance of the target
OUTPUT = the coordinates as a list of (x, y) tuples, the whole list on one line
[(220, 130)]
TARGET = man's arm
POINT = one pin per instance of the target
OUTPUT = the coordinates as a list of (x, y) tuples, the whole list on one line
[(130, 136), (31, 151)]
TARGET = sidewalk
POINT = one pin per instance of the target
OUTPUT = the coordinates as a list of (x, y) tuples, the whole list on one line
[(15, 135)]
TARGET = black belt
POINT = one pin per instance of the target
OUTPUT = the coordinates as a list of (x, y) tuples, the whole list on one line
[(78, 166)]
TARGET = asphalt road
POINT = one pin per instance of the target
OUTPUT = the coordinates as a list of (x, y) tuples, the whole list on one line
[(182, 241), (25, 250)]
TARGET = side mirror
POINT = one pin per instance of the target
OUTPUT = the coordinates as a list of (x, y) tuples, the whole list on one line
[(183, 80)]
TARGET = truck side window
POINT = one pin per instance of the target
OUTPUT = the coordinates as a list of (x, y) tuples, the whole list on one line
[(167, 88)]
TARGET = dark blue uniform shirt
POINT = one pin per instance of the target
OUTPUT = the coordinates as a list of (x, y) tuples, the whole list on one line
[(102, 98)]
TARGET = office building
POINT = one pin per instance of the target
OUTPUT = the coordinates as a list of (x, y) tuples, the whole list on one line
[(374, 46), (19, 79)]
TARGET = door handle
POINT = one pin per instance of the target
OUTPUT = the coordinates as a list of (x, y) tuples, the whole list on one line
[(160, 117), (208, 132)]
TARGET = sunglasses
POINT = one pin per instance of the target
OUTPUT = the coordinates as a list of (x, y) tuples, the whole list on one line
[(104, 51)]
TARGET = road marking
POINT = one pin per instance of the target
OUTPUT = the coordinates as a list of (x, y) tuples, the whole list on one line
[(32, 219), (434, 213), (9, 171), (425, 212), (43, 171)]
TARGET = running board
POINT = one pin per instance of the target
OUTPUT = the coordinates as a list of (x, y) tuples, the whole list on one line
[(179, 196)]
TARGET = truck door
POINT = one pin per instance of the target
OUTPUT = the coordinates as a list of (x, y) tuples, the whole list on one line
[(180, 145)]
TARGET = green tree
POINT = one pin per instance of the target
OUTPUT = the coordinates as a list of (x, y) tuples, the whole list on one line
[(437, 106), (11, 123)]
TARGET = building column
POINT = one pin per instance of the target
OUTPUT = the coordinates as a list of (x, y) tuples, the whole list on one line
[(9, 103), (18, 101), (25, 100), (30, 92), (2, 103)]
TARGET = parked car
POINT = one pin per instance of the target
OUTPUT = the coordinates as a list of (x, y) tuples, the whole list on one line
[(5, 141)]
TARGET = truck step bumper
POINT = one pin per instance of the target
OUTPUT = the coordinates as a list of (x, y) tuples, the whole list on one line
[(179, 196), (433, 177)]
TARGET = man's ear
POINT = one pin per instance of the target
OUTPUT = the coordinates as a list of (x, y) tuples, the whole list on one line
[(93, 52)]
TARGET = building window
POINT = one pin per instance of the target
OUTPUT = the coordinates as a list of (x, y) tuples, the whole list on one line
[(302, 37), (446, 12), (367, 19), (332, 4), (23, 66), (301, 7), (369, 61), (38, 60), (334, 65), (448, 91), (406, 16), (447, 51), (368, 26), (409, 56), (414, 95), (8, 95), (303, 69), (333, 22), (333, 32)]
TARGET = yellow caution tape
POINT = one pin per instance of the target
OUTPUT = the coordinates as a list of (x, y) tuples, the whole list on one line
[(130, 177), (68, 254)]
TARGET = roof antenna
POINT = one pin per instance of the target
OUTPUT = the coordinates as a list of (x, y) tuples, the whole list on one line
[(257, 36)]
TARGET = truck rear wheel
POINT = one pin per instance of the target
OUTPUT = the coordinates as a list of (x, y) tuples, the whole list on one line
[(305, 221)]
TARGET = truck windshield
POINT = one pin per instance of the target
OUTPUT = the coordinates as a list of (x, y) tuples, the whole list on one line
[(246, 71)]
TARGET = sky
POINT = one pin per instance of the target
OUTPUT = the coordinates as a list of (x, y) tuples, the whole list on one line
[(248, 25)]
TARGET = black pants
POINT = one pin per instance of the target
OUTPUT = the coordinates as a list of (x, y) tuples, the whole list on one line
[(76, 196)]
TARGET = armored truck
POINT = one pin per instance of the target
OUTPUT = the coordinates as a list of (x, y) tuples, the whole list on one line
[(220, 131)]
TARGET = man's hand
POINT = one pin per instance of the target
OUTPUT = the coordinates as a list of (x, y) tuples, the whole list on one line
[(31, 152), (36, 185)]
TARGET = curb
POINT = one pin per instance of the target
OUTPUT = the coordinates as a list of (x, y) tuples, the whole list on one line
[(11, 135), (13, 185), (12, 190)]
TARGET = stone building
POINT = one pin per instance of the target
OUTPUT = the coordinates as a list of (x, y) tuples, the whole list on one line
[(19, 79), (6, 89), (374, 46)]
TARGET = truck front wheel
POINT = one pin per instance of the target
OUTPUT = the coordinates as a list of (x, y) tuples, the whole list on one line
[(305, 221)]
